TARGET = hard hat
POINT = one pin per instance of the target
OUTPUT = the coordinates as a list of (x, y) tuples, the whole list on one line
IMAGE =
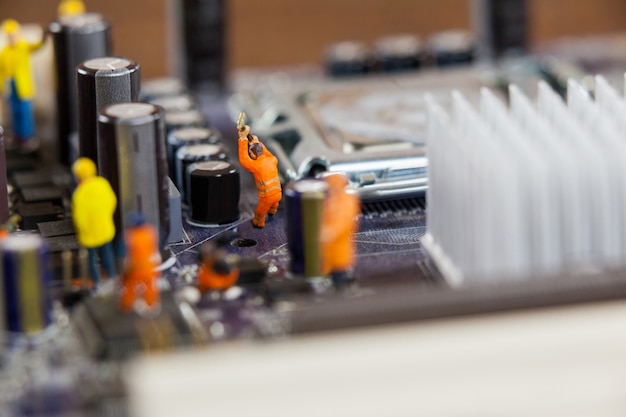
[(84, 168), (10, 26), (71, 8)]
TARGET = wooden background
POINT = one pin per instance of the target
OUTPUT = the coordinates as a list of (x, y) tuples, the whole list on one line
[(284, 32)]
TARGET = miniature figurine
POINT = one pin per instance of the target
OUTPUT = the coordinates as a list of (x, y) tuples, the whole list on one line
[(143, 257), (71, 8), (339, 223), (216, 273), (93, 205), (10, 226), (16, 79), (255, 157)]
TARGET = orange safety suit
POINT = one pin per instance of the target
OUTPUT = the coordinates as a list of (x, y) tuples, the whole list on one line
[(142, 259), (339, 223), (211, 280), (265, 171)]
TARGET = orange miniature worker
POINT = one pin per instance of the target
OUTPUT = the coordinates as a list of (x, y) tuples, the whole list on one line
[(255, 157), (93, 206), (142, 258), (216, 273), (339, 223), (16, 79)]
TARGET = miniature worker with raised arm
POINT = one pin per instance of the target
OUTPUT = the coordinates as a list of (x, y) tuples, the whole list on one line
[(339, 223), (16, 79), (93, 205), (255, 157)]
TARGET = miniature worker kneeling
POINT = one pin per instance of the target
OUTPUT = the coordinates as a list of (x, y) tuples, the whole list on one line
[(216, 272), (142, 259), (255, 157)]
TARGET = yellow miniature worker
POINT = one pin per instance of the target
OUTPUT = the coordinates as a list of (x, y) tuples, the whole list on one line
[(339, 223), (255, 157), (16, 79), (71, 8), (93, 205)]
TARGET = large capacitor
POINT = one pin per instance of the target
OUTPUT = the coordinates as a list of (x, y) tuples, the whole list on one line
[(305, 201), (188, 155), (24, 281), (76, 39), (213, 193), (101, 82), (185, 137), (132, 157), (398, 53)]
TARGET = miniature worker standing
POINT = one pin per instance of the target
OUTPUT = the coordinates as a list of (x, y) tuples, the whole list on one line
[(17, 80), (216, 273), (93, 205), (255, 157), (339, 223), (142, 258)]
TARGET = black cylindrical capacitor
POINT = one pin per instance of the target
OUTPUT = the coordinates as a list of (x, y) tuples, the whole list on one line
[(187, 136), (214, 193), (101, 82), (451, 48), (76, 39), (162, 87), (348, 58), (398, 53), (181, 102), (133, 159), (4, 197), (188, 155), (187, 118)]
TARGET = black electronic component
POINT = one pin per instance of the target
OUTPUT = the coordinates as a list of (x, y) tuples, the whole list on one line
[(133, 159), (76, 39), (187, 118), (33, 213), (4, 197), (304, 200), (188, 155), (451, 48), (162, 87), (184, 137), (24, 279), (101, 82), (398, 53), (213, 193), (180, 102), (348, 58)]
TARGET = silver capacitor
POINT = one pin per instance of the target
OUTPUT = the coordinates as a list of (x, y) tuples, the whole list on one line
[(132, 157), (101, 82)]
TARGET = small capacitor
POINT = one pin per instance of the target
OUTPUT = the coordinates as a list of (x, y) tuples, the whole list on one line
[(348, 58), (76, 39), (24, 281), (304, 200), (180, 102), (213, 193), (187, 155), (187, 118), (187, 136), (162, 87), (451, 48), (133, 159), (101, 82), (398, 53)]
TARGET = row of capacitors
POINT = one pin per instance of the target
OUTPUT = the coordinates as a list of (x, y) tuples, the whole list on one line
[(196, 156)]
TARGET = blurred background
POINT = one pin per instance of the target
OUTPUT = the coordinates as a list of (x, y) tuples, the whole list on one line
[(274, 33)]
